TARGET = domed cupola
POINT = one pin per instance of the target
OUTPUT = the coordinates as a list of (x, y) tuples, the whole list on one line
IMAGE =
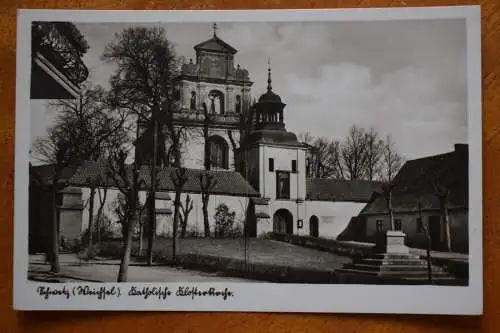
[(269, 109), (269, 124)]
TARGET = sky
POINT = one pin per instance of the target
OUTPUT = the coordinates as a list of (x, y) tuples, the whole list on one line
[(406, 79)]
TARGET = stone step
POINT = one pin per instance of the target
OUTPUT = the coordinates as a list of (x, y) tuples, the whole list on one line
[(415, 262), (395, 267), (395, 256), (395, 274)]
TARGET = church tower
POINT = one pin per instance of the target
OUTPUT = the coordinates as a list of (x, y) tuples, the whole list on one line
[(213, 94), (214, 80), (276, 165)]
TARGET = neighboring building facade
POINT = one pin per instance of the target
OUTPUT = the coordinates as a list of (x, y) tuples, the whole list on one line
[(419, 182), (57, 72), (57, 69)]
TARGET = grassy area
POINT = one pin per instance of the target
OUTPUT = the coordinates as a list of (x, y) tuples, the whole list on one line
[(258, 252)]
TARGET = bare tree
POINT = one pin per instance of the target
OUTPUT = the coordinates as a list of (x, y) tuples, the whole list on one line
[(186, 210), (144, 84), (245, 126), (442, 192), (387, 191), (324, 160), (82, 130), (391, 161), (127, 179), (354, 154), (425, 228), (374, 152)]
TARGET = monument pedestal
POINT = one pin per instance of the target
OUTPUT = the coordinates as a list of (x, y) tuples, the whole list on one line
[(395, 265), (395, 243)]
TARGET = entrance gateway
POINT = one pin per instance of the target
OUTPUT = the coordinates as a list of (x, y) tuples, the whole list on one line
[(283, 221)]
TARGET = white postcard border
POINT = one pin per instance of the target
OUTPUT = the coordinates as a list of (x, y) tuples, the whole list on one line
[(258, 297)]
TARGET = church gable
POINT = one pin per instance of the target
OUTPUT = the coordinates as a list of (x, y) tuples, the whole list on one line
[(215, 44)]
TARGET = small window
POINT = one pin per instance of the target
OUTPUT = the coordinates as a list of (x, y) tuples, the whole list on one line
[(282, 185), (380, 225), (294, 166), (271, 164), (398, 225)]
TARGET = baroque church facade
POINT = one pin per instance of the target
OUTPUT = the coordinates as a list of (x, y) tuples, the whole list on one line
[(261, 170)]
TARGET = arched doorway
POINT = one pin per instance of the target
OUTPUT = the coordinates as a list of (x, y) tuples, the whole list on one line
[(283, 221), (314, 226)]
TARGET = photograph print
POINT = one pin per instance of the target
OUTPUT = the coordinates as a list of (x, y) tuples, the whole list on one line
[(250, 155)]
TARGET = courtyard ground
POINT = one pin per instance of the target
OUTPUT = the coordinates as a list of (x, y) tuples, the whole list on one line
[(258, 251), (106, 270), (263, 253)]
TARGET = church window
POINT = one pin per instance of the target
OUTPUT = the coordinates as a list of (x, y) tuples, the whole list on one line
[(294, 166), (380, 225), (282, 185), (192, 104), (238, 104), (218, 152), (271, 164)]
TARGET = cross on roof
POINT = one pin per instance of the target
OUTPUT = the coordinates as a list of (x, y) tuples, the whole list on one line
[(214, 28)]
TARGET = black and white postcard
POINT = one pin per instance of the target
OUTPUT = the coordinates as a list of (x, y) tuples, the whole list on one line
[(260, 160)]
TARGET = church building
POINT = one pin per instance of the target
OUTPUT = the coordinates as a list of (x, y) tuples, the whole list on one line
[(260, 168)]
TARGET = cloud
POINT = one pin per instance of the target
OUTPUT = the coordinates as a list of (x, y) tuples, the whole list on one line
[(406, 103)]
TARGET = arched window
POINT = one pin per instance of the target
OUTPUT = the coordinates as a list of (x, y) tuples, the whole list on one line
[(238, 104), (218, 150), (192, 104)]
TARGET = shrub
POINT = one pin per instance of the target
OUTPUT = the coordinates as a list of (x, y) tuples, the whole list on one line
[(89, 253), (111, 249), (235, 232), (224, 221), (105, 231)]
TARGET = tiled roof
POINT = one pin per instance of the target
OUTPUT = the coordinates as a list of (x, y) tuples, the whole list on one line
[(319, 189), (415, 183), (44, 173), (227, 182)]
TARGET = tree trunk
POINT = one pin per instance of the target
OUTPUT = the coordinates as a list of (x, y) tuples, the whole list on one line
[(91, 215), (206, 224), (54, 251), (429, 244), (102, 201), (446, 224), (152, 194), (185, 215), (127, 247), (141, 236), (183, 221), (177, 203), (391, 215)]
